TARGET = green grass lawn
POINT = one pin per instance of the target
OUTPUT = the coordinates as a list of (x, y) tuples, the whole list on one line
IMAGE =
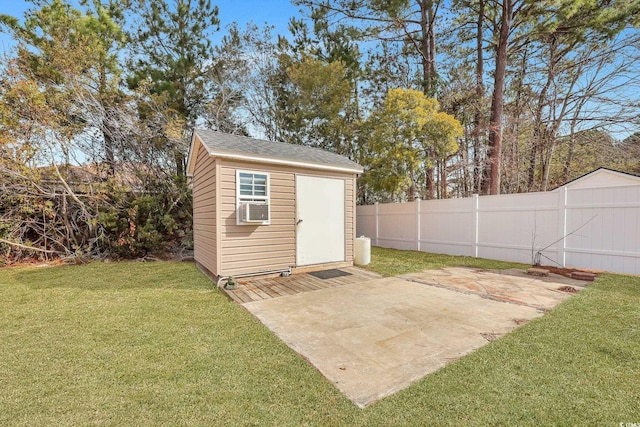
[(155, 344), (392, 262)]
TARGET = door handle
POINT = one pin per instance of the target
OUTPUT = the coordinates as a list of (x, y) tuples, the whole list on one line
[(298, 222)]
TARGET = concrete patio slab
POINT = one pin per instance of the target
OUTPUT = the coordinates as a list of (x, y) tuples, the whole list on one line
[(374, 338)]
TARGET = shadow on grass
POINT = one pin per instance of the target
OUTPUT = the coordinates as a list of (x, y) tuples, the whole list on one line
[(98, 276)]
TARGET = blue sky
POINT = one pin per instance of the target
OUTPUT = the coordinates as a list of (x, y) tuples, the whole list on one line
[(273, 12)]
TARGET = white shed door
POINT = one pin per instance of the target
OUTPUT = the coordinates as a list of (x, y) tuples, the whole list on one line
[(320, 220)]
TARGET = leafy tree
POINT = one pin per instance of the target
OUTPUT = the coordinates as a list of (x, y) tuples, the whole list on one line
[(630, 148), (410, 26), (590, 150), (60, 94), (337, 43), (67, 55), (24, 115), (106, 25), (171, 48), (402, 21), (409, 134), (575, 46), (313, 109), (249, 62), (520, 36), (229, 75)]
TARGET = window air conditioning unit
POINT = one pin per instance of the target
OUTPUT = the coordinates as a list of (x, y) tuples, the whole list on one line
[(254, 212)]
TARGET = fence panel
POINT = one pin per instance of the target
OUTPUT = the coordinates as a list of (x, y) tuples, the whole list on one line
[(514, 227), (366, 222), (446, 226), (596, 228), (604, 228), (397, 225)]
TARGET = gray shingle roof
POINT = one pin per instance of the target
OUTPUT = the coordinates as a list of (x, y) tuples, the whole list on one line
[(227, 144)]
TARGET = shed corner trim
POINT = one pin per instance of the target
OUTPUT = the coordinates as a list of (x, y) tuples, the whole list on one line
[(196, 142)]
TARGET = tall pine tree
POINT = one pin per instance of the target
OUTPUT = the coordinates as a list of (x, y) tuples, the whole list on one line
[(171, 49)]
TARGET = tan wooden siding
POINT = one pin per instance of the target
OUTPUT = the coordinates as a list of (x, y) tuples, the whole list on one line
[(350, 218), (255, 248), (204, 211)]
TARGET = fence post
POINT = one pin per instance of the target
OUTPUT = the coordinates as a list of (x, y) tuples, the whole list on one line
[(474, 243), (375, 239), (417, 201), (562, 225)]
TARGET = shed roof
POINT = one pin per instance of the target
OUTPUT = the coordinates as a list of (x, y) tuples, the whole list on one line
[(219, 144), (602, 177)]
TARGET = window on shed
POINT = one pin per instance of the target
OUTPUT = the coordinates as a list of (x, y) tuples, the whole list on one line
[(253, 185), (252, 197)]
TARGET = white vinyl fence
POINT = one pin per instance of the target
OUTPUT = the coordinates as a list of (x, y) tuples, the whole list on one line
[(597, 228)]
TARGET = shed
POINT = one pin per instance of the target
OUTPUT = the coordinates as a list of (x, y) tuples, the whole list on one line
[(602, 177), (266, 207)]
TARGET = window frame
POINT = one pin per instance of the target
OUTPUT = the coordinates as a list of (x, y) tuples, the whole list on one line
[(240, 199)]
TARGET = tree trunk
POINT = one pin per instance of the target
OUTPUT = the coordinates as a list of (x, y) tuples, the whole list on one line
[(546, 166), (427, 46), (109, 147), (521, 102), (465, 187), (428, 173), (539, 132), (478, 119), (491, 184), (180, 164), (411, 196), (107, 132), (443, 179), (432, 46), (533, 155), (566, 173)]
